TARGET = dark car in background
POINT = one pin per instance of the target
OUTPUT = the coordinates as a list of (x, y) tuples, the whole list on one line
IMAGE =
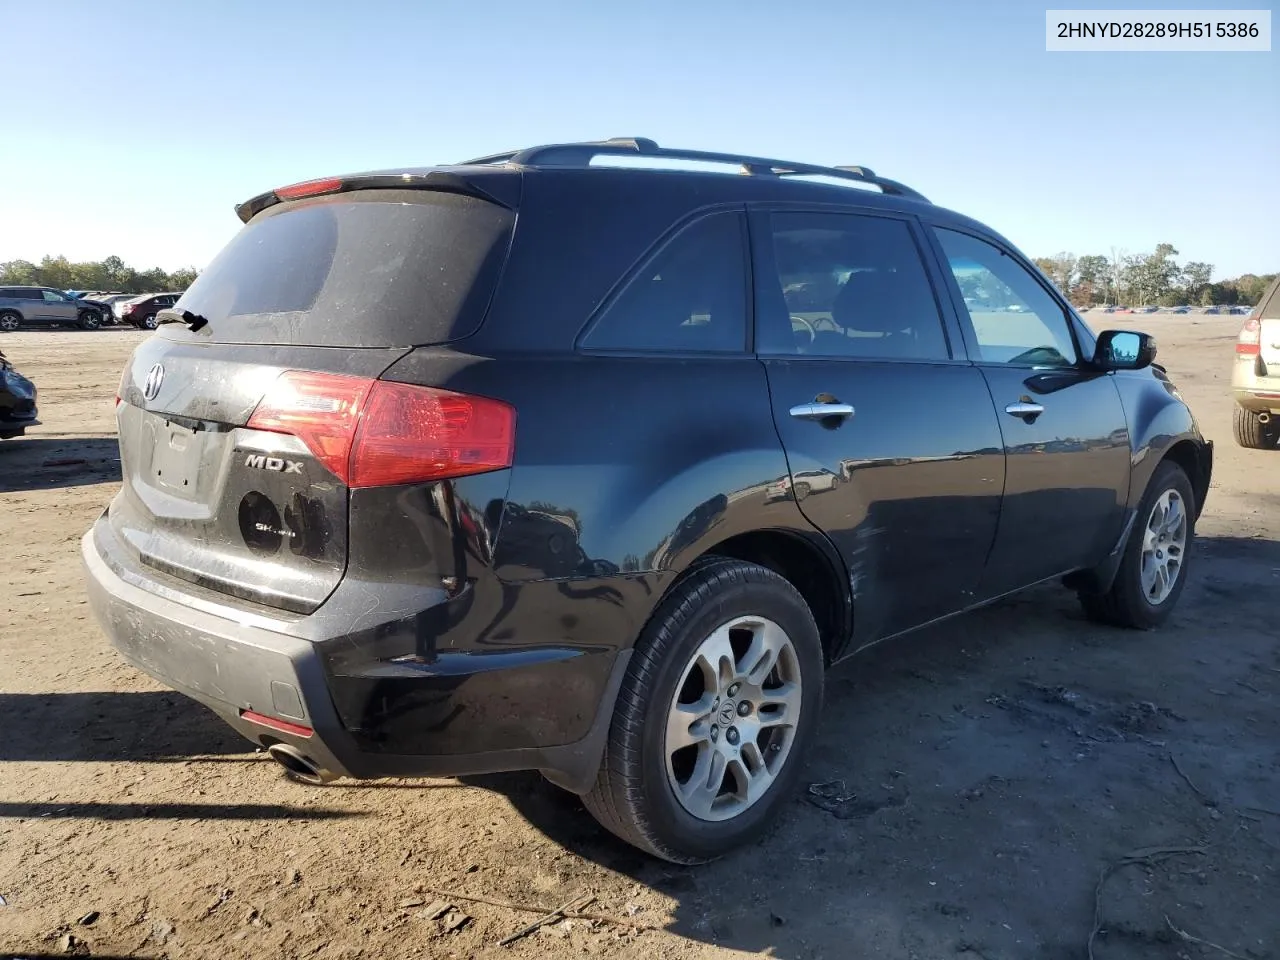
[(141, 311), (17, 402), (29, 306), (477, 468)]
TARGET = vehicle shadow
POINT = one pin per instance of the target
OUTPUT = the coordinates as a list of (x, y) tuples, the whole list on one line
[(152, 727), (43, 463), (967, 785), (169, 811)]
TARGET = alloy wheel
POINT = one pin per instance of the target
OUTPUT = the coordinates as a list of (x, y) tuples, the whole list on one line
[(732, 721), (1164, 544)]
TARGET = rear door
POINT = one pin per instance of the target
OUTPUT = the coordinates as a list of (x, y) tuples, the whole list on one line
[(1066, 437), (891, 438), (336, 285)]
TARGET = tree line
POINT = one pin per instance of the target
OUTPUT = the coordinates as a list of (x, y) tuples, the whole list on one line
[(1155, 279), (1148, 279), (110, 275)]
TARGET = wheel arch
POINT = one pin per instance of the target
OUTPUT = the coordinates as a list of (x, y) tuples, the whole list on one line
[(809, 563)]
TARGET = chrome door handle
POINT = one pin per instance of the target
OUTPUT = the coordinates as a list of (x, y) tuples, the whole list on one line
[(1024, 409), (820, 411)]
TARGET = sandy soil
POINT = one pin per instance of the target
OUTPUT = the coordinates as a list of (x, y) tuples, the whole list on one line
[(990, 771)]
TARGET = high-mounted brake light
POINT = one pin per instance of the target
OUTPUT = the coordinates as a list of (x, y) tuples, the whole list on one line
[(309, 188), (1249, 343), (373, 433)]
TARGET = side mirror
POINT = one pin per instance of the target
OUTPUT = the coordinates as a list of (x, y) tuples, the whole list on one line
[(1124, 350)]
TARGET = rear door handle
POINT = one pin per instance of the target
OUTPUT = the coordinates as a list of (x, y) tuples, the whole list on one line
[(820, 411), (1024, 410)]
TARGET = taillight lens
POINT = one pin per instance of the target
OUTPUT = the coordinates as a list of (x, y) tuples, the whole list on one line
[(320, 409), (1250, 339), (309, 188), (373, 433), (123, 385)]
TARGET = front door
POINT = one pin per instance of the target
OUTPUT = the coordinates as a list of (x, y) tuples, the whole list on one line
[(58, 307), (891, 439), (1065, 433)]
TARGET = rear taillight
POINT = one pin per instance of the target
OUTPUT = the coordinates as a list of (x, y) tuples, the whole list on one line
[(373, 433), (123, 385), (1250, 339), (128, 308)]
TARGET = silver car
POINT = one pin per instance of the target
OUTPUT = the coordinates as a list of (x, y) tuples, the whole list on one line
[(33, 306), (1255, 380)]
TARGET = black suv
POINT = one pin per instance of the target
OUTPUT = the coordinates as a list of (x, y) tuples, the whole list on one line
[(494, 466)]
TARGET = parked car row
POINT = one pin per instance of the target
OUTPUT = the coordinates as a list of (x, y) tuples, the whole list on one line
[(1238, 310), (29, 306)]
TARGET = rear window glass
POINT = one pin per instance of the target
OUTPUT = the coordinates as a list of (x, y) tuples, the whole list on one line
[(370, 268), (1269, 308)]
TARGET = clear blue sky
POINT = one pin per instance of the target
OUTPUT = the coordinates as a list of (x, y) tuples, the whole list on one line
[(144, 123)]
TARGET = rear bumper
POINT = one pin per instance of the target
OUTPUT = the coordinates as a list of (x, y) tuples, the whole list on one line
[(1260, 399), (456, 714)]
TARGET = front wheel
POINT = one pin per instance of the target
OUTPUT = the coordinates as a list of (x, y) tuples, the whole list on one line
[(1153, 570), (90, 320), (719, 702)]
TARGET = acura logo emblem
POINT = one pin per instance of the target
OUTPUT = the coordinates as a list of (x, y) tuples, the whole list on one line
[(151, 386)]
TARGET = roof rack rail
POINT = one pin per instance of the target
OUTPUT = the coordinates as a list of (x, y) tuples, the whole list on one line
[(581, 155)]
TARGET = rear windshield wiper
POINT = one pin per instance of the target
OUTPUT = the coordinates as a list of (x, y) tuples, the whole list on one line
[(193, 321)]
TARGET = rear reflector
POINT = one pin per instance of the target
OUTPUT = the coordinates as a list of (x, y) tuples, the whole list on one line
[(1248, 343), (284, 726), (309, 188), (374, 433)]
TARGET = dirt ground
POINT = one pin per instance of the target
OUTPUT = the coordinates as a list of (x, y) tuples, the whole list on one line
[(986, 773)]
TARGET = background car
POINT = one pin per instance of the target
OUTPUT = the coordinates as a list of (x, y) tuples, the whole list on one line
[(141, 311), (1255, 378), (17, 401), (34, 306)]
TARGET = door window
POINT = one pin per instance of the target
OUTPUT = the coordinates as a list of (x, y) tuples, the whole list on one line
[(845, 285), (52, 297), (1015, 319)]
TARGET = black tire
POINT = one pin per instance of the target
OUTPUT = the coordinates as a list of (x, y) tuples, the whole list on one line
[(632, 796), (1126, 603), (90, 319), (1250, 432), (9, 321), (149, 322)]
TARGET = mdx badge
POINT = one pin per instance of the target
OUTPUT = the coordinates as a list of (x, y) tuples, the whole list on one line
[(260, 461), (151, 385)]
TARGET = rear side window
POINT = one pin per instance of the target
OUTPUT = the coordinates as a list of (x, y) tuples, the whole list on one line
[(367, 268), (691, 297), (846, 285)]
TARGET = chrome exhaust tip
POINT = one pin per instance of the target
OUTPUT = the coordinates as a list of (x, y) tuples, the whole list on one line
[(300, 767)]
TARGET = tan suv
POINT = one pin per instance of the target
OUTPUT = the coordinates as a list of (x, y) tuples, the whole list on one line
[(1256, 378)]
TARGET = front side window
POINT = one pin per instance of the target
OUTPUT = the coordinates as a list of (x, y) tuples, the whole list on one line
[(1015, 320), (52, 297), (690, 298), (847, 285)]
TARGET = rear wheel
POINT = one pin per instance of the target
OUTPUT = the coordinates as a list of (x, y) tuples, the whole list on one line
[(9, 321), (149, 321), (720, 700), (90, 320), (1153, 570), (1251, 432)]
